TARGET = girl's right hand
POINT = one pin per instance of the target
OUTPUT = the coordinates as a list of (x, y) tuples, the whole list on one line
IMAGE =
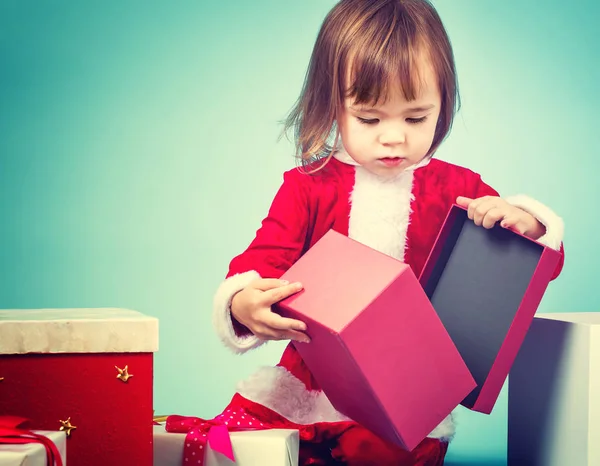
[(252, 308)]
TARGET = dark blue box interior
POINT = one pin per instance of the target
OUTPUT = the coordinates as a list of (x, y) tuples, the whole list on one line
[(476, 287)]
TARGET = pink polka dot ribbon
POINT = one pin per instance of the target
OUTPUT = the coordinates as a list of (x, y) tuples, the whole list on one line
[(214, 432)]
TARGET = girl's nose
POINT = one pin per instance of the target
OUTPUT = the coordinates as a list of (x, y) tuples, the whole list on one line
[(392, 137)]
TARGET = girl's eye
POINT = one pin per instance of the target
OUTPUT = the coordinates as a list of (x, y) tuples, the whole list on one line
[(367, 121), (416, 121)]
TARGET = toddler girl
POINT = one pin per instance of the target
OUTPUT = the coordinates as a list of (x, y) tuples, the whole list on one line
[(379, 98)]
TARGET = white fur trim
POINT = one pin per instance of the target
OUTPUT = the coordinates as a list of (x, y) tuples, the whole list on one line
[(277, 389), (222, 313), (553, 223), (445, 430), (344, 157), (380, 211)]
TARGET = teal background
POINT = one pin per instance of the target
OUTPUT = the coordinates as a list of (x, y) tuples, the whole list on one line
[(139, 153)]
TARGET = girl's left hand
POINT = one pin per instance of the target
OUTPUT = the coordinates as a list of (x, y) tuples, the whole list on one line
[(488, 210)]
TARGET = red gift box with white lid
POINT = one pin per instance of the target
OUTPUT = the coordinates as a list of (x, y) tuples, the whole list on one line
[(87, 372)]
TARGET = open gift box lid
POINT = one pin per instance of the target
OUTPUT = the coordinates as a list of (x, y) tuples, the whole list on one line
[(486, 286), (378, 349)]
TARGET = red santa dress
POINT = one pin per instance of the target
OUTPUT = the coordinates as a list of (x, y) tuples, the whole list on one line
[(399, 217)]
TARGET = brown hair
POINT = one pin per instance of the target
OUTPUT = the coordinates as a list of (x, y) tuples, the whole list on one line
[(374, 42)]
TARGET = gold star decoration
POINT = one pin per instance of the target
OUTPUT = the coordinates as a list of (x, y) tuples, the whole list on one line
[(123, 374), (67, 426)]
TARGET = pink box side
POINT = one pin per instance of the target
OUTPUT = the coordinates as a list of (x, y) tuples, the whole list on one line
[(438, 245), (436, 377), (360, 289), (335, 279), (347, 388)]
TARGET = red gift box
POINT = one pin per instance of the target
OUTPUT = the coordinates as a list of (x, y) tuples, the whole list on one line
[(88, 372), (378, 349), (486, 286)]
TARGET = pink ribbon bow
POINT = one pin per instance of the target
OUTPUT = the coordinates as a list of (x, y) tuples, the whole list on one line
[(12, 432), (214, 432)]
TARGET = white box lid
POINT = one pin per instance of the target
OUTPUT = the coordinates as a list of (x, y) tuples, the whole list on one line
[(86, 330), (587, 318)]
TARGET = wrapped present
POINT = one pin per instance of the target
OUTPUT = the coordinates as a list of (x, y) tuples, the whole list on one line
[(85, 372), (486, 286), (218, 447), (378, 348), (553, 387), (24, 447)]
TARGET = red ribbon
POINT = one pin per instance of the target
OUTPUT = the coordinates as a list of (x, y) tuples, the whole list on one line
[(214, 432), (12, 432)]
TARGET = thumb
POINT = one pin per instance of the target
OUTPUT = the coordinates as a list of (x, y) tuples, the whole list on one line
[(463, 201)]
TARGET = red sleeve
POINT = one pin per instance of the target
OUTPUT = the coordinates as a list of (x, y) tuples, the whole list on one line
[(280, 240), (483, 189)]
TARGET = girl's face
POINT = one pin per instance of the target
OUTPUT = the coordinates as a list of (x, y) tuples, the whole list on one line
[(390, 137)]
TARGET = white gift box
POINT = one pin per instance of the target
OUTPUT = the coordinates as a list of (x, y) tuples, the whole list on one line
[(33, 454), (273, 447), (554, 393)]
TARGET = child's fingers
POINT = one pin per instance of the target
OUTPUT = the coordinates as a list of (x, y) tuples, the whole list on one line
[(270, 333), (472, 205), (475, 207), (266, 284), (283, 328), (463, 201), (480, 207), (491, 217), (278, 323), (275, 295), (513, 223), (297, 336)]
